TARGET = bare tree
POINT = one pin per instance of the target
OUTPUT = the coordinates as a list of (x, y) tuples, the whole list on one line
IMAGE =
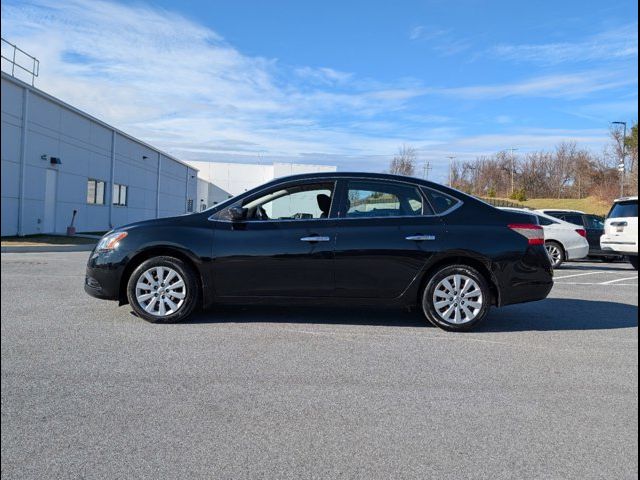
[(627, 148), (404, 163), (632, 151)]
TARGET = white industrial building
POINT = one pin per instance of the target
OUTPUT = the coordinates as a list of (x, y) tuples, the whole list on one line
[(229, 179), (57, 159)]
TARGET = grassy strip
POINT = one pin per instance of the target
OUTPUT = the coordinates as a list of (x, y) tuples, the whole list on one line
[(587, 205)]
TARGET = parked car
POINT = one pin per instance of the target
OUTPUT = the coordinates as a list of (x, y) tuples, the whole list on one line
[(334, 238), (593, 225), (621, 229), (562, 239)]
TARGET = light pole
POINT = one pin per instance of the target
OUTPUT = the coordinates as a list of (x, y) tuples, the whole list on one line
[(451, 159), (621, 165)]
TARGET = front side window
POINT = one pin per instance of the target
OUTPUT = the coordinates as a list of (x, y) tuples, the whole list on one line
[(382, 199), (297, 202), (95, 192), (120, 195)]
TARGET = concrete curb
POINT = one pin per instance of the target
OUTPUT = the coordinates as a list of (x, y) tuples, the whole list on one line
[(47, 248)]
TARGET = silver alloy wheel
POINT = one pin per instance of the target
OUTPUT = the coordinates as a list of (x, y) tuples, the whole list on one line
[(458, 299), (160, 291), (554, 253)]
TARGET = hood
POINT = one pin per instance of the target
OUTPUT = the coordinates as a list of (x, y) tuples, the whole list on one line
[(156, 222)]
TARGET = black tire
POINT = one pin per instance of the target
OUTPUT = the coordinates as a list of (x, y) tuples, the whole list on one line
[(558, 259), (428, 303), (190, 291), (608, 259), (633, 260)]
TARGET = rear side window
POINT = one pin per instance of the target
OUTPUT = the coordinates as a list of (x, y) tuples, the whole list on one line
[(382, 199), (595, 222), (624, 209), (440, 202), (575, 219)]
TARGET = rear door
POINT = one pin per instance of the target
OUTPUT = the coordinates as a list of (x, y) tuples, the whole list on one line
[(386, 233)]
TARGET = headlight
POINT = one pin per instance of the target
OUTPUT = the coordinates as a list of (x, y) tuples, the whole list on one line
[(110, 242)]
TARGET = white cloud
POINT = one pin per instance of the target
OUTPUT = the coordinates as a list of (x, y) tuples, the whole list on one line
[(572, 85), (618, 43), (182, 87)]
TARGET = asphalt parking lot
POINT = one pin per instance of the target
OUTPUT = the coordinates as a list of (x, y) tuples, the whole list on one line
[(543, 390)]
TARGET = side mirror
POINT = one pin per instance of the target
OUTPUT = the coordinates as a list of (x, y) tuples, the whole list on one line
[(237, 214)]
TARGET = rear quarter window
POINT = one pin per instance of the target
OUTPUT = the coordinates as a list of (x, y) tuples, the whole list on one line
[(440, 202), (545, 222), (624, 209)]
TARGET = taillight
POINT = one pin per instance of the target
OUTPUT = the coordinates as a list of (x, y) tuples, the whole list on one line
[(533, 233), (582, 232)]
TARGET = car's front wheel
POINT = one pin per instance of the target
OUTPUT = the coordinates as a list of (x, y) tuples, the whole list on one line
[(556, 253), (633, 260), (456, 298), (163, 290)]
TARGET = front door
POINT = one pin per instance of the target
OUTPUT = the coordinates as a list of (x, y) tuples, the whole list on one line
[(283, 247), (387, 232)]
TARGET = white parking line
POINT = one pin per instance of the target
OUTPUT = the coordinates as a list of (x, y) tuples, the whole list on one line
[(619, 280), (594, 283), (576, 275)]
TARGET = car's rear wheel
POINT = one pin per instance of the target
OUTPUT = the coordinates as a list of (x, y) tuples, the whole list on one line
[(633, 260), (456, 298), (556, 253), (163, 290)]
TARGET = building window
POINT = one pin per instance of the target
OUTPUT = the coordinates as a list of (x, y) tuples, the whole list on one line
[(120, 195), (95, 192)]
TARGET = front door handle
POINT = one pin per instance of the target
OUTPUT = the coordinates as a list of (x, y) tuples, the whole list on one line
[(315, 238), (420, 238)]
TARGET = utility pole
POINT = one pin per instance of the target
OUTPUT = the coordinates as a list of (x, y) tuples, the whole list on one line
[(426, 169), (621, 165), (451, 159), (513, 169)]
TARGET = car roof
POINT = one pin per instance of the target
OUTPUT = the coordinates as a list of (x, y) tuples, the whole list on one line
[(626, 199), (559, 210), (371, 175)]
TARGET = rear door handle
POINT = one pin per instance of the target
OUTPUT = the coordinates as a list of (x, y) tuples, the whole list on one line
[(315, 238), (420, 238)]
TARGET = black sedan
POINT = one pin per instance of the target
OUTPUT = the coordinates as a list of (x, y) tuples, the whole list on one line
[(337, 238)]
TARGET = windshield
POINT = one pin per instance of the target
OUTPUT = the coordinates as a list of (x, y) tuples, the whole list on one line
[(625, 209)]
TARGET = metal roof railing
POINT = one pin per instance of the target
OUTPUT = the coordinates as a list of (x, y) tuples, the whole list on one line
[(15, 57)]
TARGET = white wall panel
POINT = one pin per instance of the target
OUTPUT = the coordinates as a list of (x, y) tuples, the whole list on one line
[(11, 96)]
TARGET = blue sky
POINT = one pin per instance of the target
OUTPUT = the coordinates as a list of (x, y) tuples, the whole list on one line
[(342, 83)]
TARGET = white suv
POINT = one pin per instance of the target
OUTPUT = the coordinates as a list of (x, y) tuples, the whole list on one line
[(621, 229)]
